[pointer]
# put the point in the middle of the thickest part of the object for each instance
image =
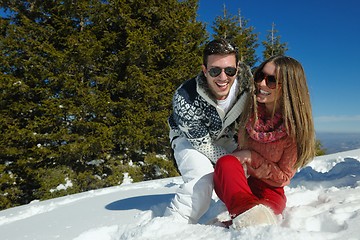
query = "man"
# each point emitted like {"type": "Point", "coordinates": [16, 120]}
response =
{"type": "Point", "coordinates": [202, 126]}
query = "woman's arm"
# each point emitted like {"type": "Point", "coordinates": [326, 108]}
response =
{"type": "Point", "coordinates": [276, 174]}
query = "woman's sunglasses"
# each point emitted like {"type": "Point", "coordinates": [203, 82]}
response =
{"type": "Point", "coordinates": [215, 71]}
{"type": "Point", "coordinates": [269, 80]}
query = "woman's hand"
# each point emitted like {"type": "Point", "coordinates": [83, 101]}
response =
{"type": "Point", "coordinates": [244, 156]}
{"type": "Point", "coordinates": [262, 172]}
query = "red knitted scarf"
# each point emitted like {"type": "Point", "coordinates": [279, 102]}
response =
{"type": "Point", "coordinates": [266, 130]}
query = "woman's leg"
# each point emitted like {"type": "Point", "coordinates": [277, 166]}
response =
{"type": "Point", "coordinates": [231, 186]}
{"type": "Point", "coordinates": [273, 197]}
{"type": "Point", "coordinates": [239, 193]}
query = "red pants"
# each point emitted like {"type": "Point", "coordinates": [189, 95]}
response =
{"type": "Point", "coordinates": [240, 193]}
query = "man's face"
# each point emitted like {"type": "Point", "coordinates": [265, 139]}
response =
{"type": "Point", "coordinates": [220, 85]}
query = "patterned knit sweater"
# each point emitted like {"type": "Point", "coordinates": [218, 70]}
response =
{"type": "Point", "coordinates": [197, 117]}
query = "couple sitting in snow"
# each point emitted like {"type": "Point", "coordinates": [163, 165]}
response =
{"type": "Point", "coordinates": [244, 136]}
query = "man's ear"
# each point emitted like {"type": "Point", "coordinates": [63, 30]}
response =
{"type": "Point", "coordinates": [203, 67]}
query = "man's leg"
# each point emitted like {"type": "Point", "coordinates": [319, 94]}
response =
{"type": "Point", "coordinates": [193, 198]}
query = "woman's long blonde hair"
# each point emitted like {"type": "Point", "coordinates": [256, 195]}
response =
{"type": "Point", "coordinates": [295, 105]}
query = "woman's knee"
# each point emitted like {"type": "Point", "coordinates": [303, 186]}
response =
{"type": "Point", "coordinates": [227, 160]}
{"type": "Point", "coordinates": [229, 163]}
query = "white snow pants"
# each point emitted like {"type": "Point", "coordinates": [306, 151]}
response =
{"type": "Point", "coordinates": [193, 197]}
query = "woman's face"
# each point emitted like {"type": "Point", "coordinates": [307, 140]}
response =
{"type": "Point", "coordinates": [264, 93]}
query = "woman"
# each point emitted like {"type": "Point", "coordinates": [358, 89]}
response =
{"type": "Point", "coordinates": [278, 139]}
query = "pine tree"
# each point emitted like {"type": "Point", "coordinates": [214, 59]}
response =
{"type": "Point", "coordinates": [320, 150]}
{"type": "Point", "coordinates": [86, 90]}
{"type": "Point", "coordinates": [234, 28]}
{"type": "Point", "coordinates": [273, 45]}
{"type": "Point", "coordinates": [53, 114]}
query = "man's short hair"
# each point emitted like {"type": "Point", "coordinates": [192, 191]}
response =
{"type": "Point", "coordinates": [219, 46]}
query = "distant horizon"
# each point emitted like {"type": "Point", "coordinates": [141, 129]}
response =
{"type": "Point", "coordinates": [334, 142]}
{"type": "Point", "coordinates": [336, 132]}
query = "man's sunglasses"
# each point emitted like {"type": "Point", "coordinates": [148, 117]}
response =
{"type": "Point", "coordinates": [216, 71]}
{"type": "Point", "coordinates": [269, 80]}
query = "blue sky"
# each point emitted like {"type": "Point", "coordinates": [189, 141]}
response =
{"type": "Point", "coordinates": [324, 36]}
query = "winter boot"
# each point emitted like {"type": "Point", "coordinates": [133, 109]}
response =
{"type": "Point", "coordinates": [257, 215]}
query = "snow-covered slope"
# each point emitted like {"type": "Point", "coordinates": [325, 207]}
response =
{"type": "Point", "coordinates": [323, 203]}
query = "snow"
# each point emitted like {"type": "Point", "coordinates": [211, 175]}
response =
{"type": "Point", "coordinates": [68, 184]}
{"type": "Point", "coordinates": [323, 203]}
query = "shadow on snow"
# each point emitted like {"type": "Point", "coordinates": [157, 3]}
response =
{"type": "Point", "coordinates": [143, 203]}
{"type": "Point", "coordinates": [343, 174]}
